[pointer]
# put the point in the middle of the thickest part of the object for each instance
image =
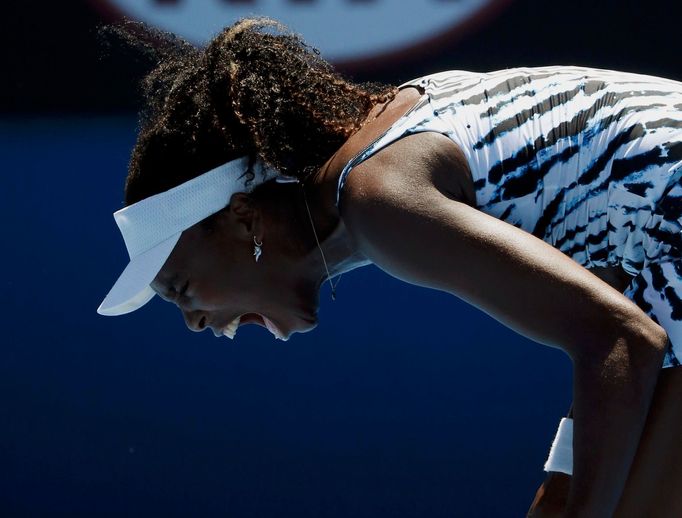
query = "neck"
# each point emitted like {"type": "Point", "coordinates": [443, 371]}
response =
{"type": "Point", "coordinates": [336, 248]}
{"type": "Point", "coordinates": [336, 244]}
{"type": "Point", "coordinates": [341, 256]}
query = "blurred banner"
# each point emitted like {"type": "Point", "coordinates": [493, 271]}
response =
{"type": "Point", "coordinates": [345, 31]}
{"type": "Point", "coordinates": [54, 62]}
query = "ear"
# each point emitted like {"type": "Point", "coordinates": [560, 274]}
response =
{"type": "Point", "coordinates": [245, 217]}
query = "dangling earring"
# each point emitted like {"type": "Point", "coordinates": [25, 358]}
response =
{"type": "Point", "coordinates": [257, 250]}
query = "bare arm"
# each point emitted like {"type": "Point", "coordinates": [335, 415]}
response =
{"type": "Point", "coordinates": [405, 223]}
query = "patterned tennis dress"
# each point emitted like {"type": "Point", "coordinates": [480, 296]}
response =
{"type": "Point", "coordinates": [588, 160]}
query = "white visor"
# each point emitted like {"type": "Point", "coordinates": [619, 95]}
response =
{"type": "Point", "coordinates": [152, 227]}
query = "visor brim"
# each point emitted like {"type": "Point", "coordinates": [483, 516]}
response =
{"type": "Point", "coordinates": [132, 289]}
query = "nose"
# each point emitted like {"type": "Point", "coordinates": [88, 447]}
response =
{"type": "Point", "coordinates": [195, 320]}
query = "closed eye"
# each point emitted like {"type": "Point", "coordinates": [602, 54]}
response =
{"type": "Point", "coordinates": [174, 293]}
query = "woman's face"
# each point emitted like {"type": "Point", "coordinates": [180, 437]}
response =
{"type": "Point", "coordinates": [212, 275]}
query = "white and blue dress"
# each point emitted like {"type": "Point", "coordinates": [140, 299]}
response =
{"type": "Point", "coordinates": [586, 159]}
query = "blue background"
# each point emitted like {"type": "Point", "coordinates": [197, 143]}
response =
{"type": "Point", "coordinates": [404, 402]}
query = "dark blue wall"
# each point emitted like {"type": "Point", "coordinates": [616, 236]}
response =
{"type": "Point", "coordinates": [403, 402]}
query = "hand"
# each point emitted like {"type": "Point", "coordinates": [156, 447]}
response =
{"type": "Point", "coordinates": [550, 498]}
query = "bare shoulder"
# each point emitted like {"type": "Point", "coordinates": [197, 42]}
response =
{"type": "Point", "coordinates": [408, 173]}
{"type": "Point", "coordinates": [401, 217]}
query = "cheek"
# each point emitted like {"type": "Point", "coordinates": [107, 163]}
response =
{"type": "Point", "coordinates": [215, 291]}
{"type": "Point", "coordinates": [223, 287]}
{"type": "Point", "coordinates": [211, 297]}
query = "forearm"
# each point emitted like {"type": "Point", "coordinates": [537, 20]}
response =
{"type": "Point", "coordinates": [612, 394]}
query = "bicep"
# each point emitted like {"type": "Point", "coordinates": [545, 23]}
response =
{"type": "Point", "coordinates": [425, 238]}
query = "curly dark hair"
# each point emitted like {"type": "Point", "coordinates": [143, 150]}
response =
{"type": "Point", "coordinates": [256, 89]}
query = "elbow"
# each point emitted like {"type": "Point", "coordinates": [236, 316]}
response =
{"type": "Point", "coordinates": [647, 341]}
{"type": "Point", "coordinates": [655, 344]}
{"type": "Point", "coordinates": [631, 348]}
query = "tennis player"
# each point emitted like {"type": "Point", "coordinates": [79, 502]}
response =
{"type": "Point", "coordinates": [550, 198]}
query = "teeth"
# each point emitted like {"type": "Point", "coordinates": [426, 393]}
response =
{"type": "Point", "coordinates": [271, 327]}
{"type": "Point", "coordinates": [231, 329]}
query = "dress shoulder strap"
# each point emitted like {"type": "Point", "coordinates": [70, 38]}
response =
{"type": "Point", "coordinates": [396, 131]}
{"type": "Point", "coordinates": [421, 117]}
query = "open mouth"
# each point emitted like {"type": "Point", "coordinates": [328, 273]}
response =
{"type": "Point", "coordinates": [230, 330]}
{"type": "Point", "coordinates": [252, 318]}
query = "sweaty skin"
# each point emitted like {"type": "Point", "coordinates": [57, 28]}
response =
{"type": "Point", "coordinates": [408, 210]}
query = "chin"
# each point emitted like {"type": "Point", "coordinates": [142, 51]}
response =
{"type": "Point", "coordinates": [308, 327]}
{"type": "Point", "coordinates": [303, 316]}
{"type": "Point", "coordinates": [305, 324]}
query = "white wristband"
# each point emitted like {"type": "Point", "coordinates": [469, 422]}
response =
{"type": "Point", "coordinates": [561, 454]}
